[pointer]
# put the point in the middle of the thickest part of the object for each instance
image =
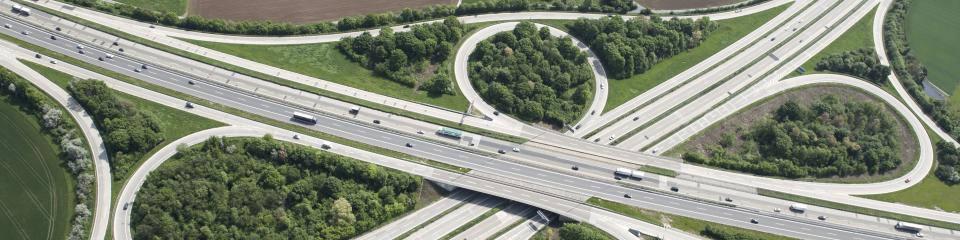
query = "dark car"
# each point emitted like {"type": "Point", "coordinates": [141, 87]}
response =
{"type": "Point", "coordinates": [189, 105]}
{"type": "Point", "coordinates": [52, 37]}
{"type": "Point", "coordinates": [675, 189]}
{"type": "Point", "coordinates": [618, 178]}
{"type": "Point", "coordinates": [409, 144]}
{"type": "Point", "coordinates": [575, 168]}
{"type": "Point", "coordinates": [190, 82]}
{"type": "Point", "coordinates": [728, 199]}
{"type": "Point", "coordinates": [754, 221]}
{"type": "Point", "coordinates": [58, 29]}
{"type": "Point", "coordinates": [822, 218]}
{"type": "Point", "coordinates": [627, 195]}
{"type": "Point", "coordinates": [376, 121]}
{"type": "Point", "coordinates": [501, 151]}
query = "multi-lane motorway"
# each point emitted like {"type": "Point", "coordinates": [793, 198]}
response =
{"type": "Point", "coordinates": [391, 140]}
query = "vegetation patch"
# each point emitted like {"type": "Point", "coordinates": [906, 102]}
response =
{"type": "Point", "coordinates": [41, 207]}
{"type": "Point", "coordinates": [268, 189]}
{"type": "Point", "coordinates": [178, 7]}
{"type": "Point", "coordinates": [700, 227]}
{"type": "Point", "coordinates": [862, 63]}
{"type": "Point", "coordinates": [931, 31]}
{"type": "Point", "coordinates": [818, 133]}
{"type": "Point", "coordinates": [860, 35]}
{"type": "Point", "coordinates": [932, 191]}
{"type": "Point", "coordinates": [571, 231]}
{"type": "Point", "coordinates": [533, 75]}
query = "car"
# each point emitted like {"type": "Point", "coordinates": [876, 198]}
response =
{"type": "Point", "coordinates": [6, 25]}
{"type": "Point", "coordinates": [110, 56]}
{"type": "Point", "coordinates": [601, 86]}
{"type": "Point", "coordinates": [80, 51]}
{"type": "Point", "coordinates": [152, 26]}
{"type": "Point", "coordinates": [144, 66]}
{"type": "Point", "coordinates": [409, 144]}
{"type": "Point", "coordinates": [419, 131]}
{"type": "Point", "coordinates": [190, 82]}
{"type": "Point", "coordinates": [918, 234]}
{"type": "Point", "coordinates": [376, 121]}
{"type": "Point", "coordinates": [495, 113]}
{"type": "Point", "coordinates": [53, 61]}
{"type": "Point", "coordinates": [618, 178]}
{"type": "Point", "coordinates": [189, 105]}
{"type": "Point", "coordinates": [675, 189]}
{"type": "Point", "coordinates": [821, 217]}
{"type": "Point", "coordinates": [38, 56]}
{"type": "Point", "coordinates": [52, 37]}
{"type": "Point", "coordinates": [58, 29]}
{"type": "Point", "coordinates": [501, 151]}
{"type": "Point", "coordinates": [25, 33]}
{"type": "Point", "coordinates": [79, 46]}
{"type": "Point", "coordinates": [516, 150]}
{"type": "Point", "coordinates": [575, 168]}
{"type": "Point", "coordinates": [754, 221]}
{"type": "Point", "coordinates": [296, 136]}
{"type": "Point", "coordinates": [136, 70]}
{"type": "Point", "coordinates": [776, 210]}
{"type": "Point", "coordinates": [728, 199]}
{"type": "Point", "coordinates": [612, 137]}
{"type": "Point", "coordinates": [596, 140]}
{"type": "Point", "coordinates": [325, 145]}
{"type": "Point", "coordinates": [627, 195]}
{"type": "Point", "coordinates": [406, 26]}
{"type": "Point", "coordinates": [772, 39]}
{"type": "Point", "coordinates": [120, 49]}
{"type": "Point", "coordinates": [116, 43]}
{"type": "Point", "coordinates": [100, 58]}
{"type": "Point", "coordinates": [636, 118]}
{"type": "Point", "coordinates": [593, 112]}
{"type": "Point", "coordinates": [126, 206]}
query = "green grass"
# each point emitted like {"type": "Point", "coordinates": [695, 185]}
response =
{"type": "Point", "coordinates": [175, 6]}
{"type": "Point", "coordinates": [731, 30]}
{"type": "Point", "coordinates": [37, 195]}
{"type": "Point", "coordinates": [858, 209]}
{"type": "Point", "coordinates": [928, 193]}
{"type": "Point", "coordinates": [857, 37]}
{"type": "Point", "coordinates": [325, 61]}
{"type": "Point", "coordinates": [658, 171]}
{"type": "Point", "coordinates": [932, 35]}
{"type": "Point", "coordinates": [679, 222]}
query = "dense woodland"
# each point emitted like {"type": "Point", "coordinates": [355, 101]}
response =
{"type": "Point", "coordinates": [127, 132]}
{"type": "Point", "coordinates": [948, 158]}
{"type": "Point", "coordinates": [911, 74]}
{"type": "Point", "coordinates": [634, 46]}
{"type": "Point", "coordinates": [65, 133]}
{"type": "Point", "coordinates": [405, 56]}
{"type": "Point", "coordinates": [261, 188]}
{"type": "Point", "coordinates": [828, 138]}
{"type": "Point", "coordinates": [861, 63]}
{"type": "Point", "coordinates": [533, 75]}
{"type": "Point", "coordinates": [198, 23]}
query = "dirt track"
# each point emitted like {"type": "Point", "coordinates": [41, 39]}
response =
{"type": "Point", "coordinates": [684, 4]}
{"type": "Point", "coordinates": [300, 11]}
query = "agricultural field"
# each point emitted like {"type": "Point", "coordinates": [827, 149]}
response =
{"type": "Point", "coordinates": [36, 198]}
{"type": "Point", "coordinates": [935, 47]}
{"type": "Point", "coordinates": [684, 4]}
{"type": "Point", "coordinates": [175, 6]}
{"type": "Point", "coordinates": [300, 11]}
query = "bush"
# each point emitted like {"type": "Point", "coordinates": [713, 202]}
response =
{"type": "Point", "coordinates": [268, 189]}
{"type": "Point", "coordinates": [825, 139]}
{"type": "Point", "coordinates": [580, 231]}
{"type": "Point", "coordinates": [532, 74]}
{"type": "Point", "coordinates": [861, 63]}
{"type": "Point", "coordinates": [718, 233]}
{"type": "Point", "coordinates": [631, 47]}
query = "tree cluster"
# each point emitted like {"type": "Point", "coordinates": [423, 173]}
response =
{"type": "Point", "coordinates": [912, 73]}
{"type": "Point", "coordinates": [532, 74]}
{"type": "Point", "coordinates": [718, 233]}
{"type": "Point", "coordinates": [260, 188]}
{"type": "Point", "coordinates": [198, 23]}
{"type": "Point", "coordinates": [825, 139]}
{"type": "Point", "coordinates": [861, 63]}
{"type": "Point", "coordinates": [633, 46]}
{"type": "Point", "coordinates": [581, 231]}
{"type": "Point", "coordinates": [127, 131]}
{"type": "Point", "coordinates": [404, 56]}
{"type": "Point", "coordinates": [65, 133]}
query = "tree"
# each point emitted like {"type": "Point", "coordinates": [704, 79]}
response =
{"type": "Point", "coordinates": [343, 212]}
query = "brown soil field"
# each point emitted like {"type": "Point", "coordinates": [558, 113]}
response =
{"type": "Point", "coordinates": [738, 122]}
{"type": "Point", "coordinates": [300, 11]}
{"type": "Point", "coordinates": [684, 4]}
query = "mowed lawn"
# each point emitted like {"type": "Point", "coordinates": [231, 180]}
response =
{"type": "Point", "coordinates": [731, 30]}
{"type": "Point", "coordinates": [857, 37]}
{"type": "Point", "coordinates": [933, 37]}
{"type": "Point", "coordinates": [326, 62]}
{"type": "Point", "coordinates": [36, 196]}
{"type": "Point", "coordinates": [176, 6]}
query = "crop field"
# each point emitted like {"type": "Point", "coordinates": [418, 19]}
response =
{"type": "Point", "coordinates": [300, 11]}
{"type": "Point", "coordinates": [684, 4]}
{"type": "Point", "coordinates": [36, 196]}
{"type": "Point", "coordinates": [927, 25]}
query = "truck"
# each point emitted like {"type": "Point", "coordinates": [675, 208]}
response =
{"type": "Point", "coordinates": [450, 132]}
{"type": "Point", "coordinates": [798, 207]}
{"type": "Point", "coordinates": [626, 172]}
{"type": "Point", "coordinates": [909, 226]}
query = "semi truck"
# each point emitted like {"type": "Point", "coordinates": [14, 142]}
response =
{"type": "Point", "coordinates": [909, 226]}
{"type": "Point", "coordinates": [626, 172]}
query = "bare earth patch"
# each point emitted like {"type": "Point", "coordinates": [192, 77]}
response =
{"type": "Point", "coordinates": [300, 11]}
{"type": "Point", "coordinates": [739, 122]}
{"type": "Point", "coordinates": [684, 4]}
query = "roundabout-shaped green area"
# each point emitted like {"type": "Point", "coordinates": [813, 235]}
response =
{"type": "Point", "coordinates": [533, 75]}
{"type": "Point", "coordinates": [260, 188]}
{"type": "Point", "coordinates": [823, 133]}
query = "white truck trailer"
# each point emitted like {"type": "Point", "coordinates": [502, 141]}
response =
{"type": "Point", "coordinates": [629, 173]}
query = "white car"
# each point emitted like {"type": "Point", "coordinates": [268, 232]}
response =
{"type": "Point", "coordinates": [516, 149]}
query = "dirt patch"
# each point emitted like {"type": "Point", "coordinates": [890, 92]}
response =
{"type": "Point", "coordinates": [684, 4]}
{"type": "Point", "coordinates": [738, 122]}
{"type": "Point", "coordinates": [429, 193]}
{"type": "Point", "coordinates": [300, 11]}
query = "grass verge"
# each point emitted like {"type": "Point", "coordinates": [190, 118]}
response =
{"type": "Point", "coordinates": [261, 76]}
{"type": "Point", "coordinates": [857, 37]}
{"type": "Point", "coordinates": [659, 171]}
{"type": "Point", "coordinates": [476, 220]}
{"type": "Point", "coordinates": [857, 209]}
{"type": "Point", "coordinates": [178, 7]}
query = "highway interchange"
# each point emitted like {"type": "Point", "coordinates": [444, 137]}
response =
{"type": "Point", "coordinates": [337, 125]}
